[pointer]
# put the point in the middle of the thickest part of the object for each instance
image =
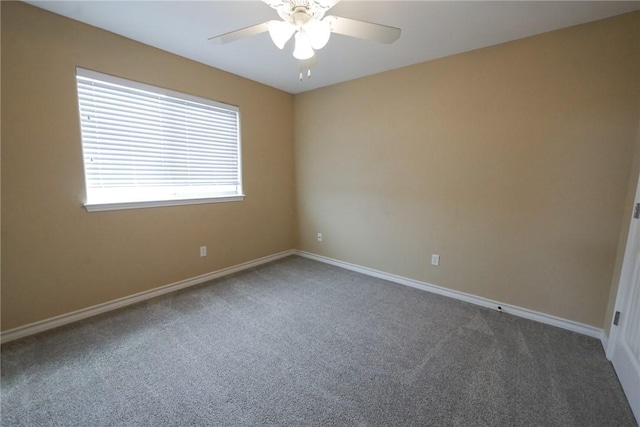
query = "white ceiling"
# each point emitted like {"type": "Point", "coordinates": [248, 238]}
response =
{"type": "Point", "coordinates": [430, 29]}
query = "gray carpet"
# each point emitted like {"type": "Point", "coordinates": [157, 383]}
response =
{"type": "Point", "coordinates": [298, 342]}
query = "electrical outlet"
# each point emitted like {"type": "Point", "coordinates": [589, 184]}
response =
{"type": "Point", "coordinates": [203, 251]}
{"type": "Point", "coordinates": [435, 259]}
{"type": "Point", "coordinates": [319, 237]}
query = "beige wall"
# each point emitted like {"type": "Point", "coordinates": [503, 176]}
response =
{"type": "Point", "coordinates": [511, 162]}
{"type": "Point", "coordinates": [56, 257]}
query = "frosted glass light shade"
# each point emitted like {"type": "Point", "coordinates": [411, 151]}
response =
{"type": "Point", "coordinates": [303, 49]}
{"type": "Point", "coordinates": [318, 33]}
{"type": "Point", "coordinates": [280, 32]}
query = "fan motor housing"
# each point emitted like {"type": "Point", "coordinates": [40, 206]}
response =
{"type": "Point", "coordinates": [313, 9]}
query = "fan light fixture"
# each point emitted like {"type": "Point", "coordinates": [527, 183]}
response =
{"type": "Point", "coordinates": [310, 32]}
{"type": "Point", "coordinates": [303, 49]}
{"type": "Point", "coordinates": [280, 32]}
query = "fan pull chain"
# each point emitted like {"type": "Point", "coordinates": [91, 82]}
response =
{"type": "Point", "coordinates": [307, 65]}
{"type": "Point", "coordinates": [300, 76]}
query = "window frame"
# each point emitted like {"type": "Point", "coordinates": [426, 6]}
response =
{"type": "Point", "coordinates": [176, 201]}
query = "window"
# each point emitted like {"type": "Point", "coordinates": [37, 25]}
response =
{"type": "Point", "coordinates": [147, 146]}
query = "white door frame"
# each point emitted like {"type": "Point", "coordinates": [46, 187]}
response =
{"type": "Point", "coordinates": [626, 276]}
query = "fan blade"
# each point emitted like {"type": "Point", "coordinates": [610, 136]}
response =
{"type": "Point", "coordinates": [238, 34]}
{"type": "Point", "coordinates": [363, 30]}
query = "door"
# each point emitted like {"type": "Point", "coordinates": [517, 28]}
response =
{"type": "Point", "coordinates": [624, 344]}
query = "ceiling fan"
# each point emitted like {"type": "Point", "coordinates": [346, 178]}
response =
{"type": "Point", "coordinates": [305, 21]}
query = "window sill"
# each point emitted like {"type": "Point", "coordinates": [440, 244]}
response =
{"type": "Point", "coordinates": [98, 207]}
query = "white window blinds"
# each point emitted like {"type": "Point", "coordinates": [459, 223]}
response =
{"type": "Point", "coordinates": [145, 144]}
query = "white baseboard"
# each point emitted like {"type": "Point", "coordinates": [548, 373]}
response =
{"type": "Point", "coordinates": [54, 322]}
{"type": "Point", "coordinates": [548, 319]}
